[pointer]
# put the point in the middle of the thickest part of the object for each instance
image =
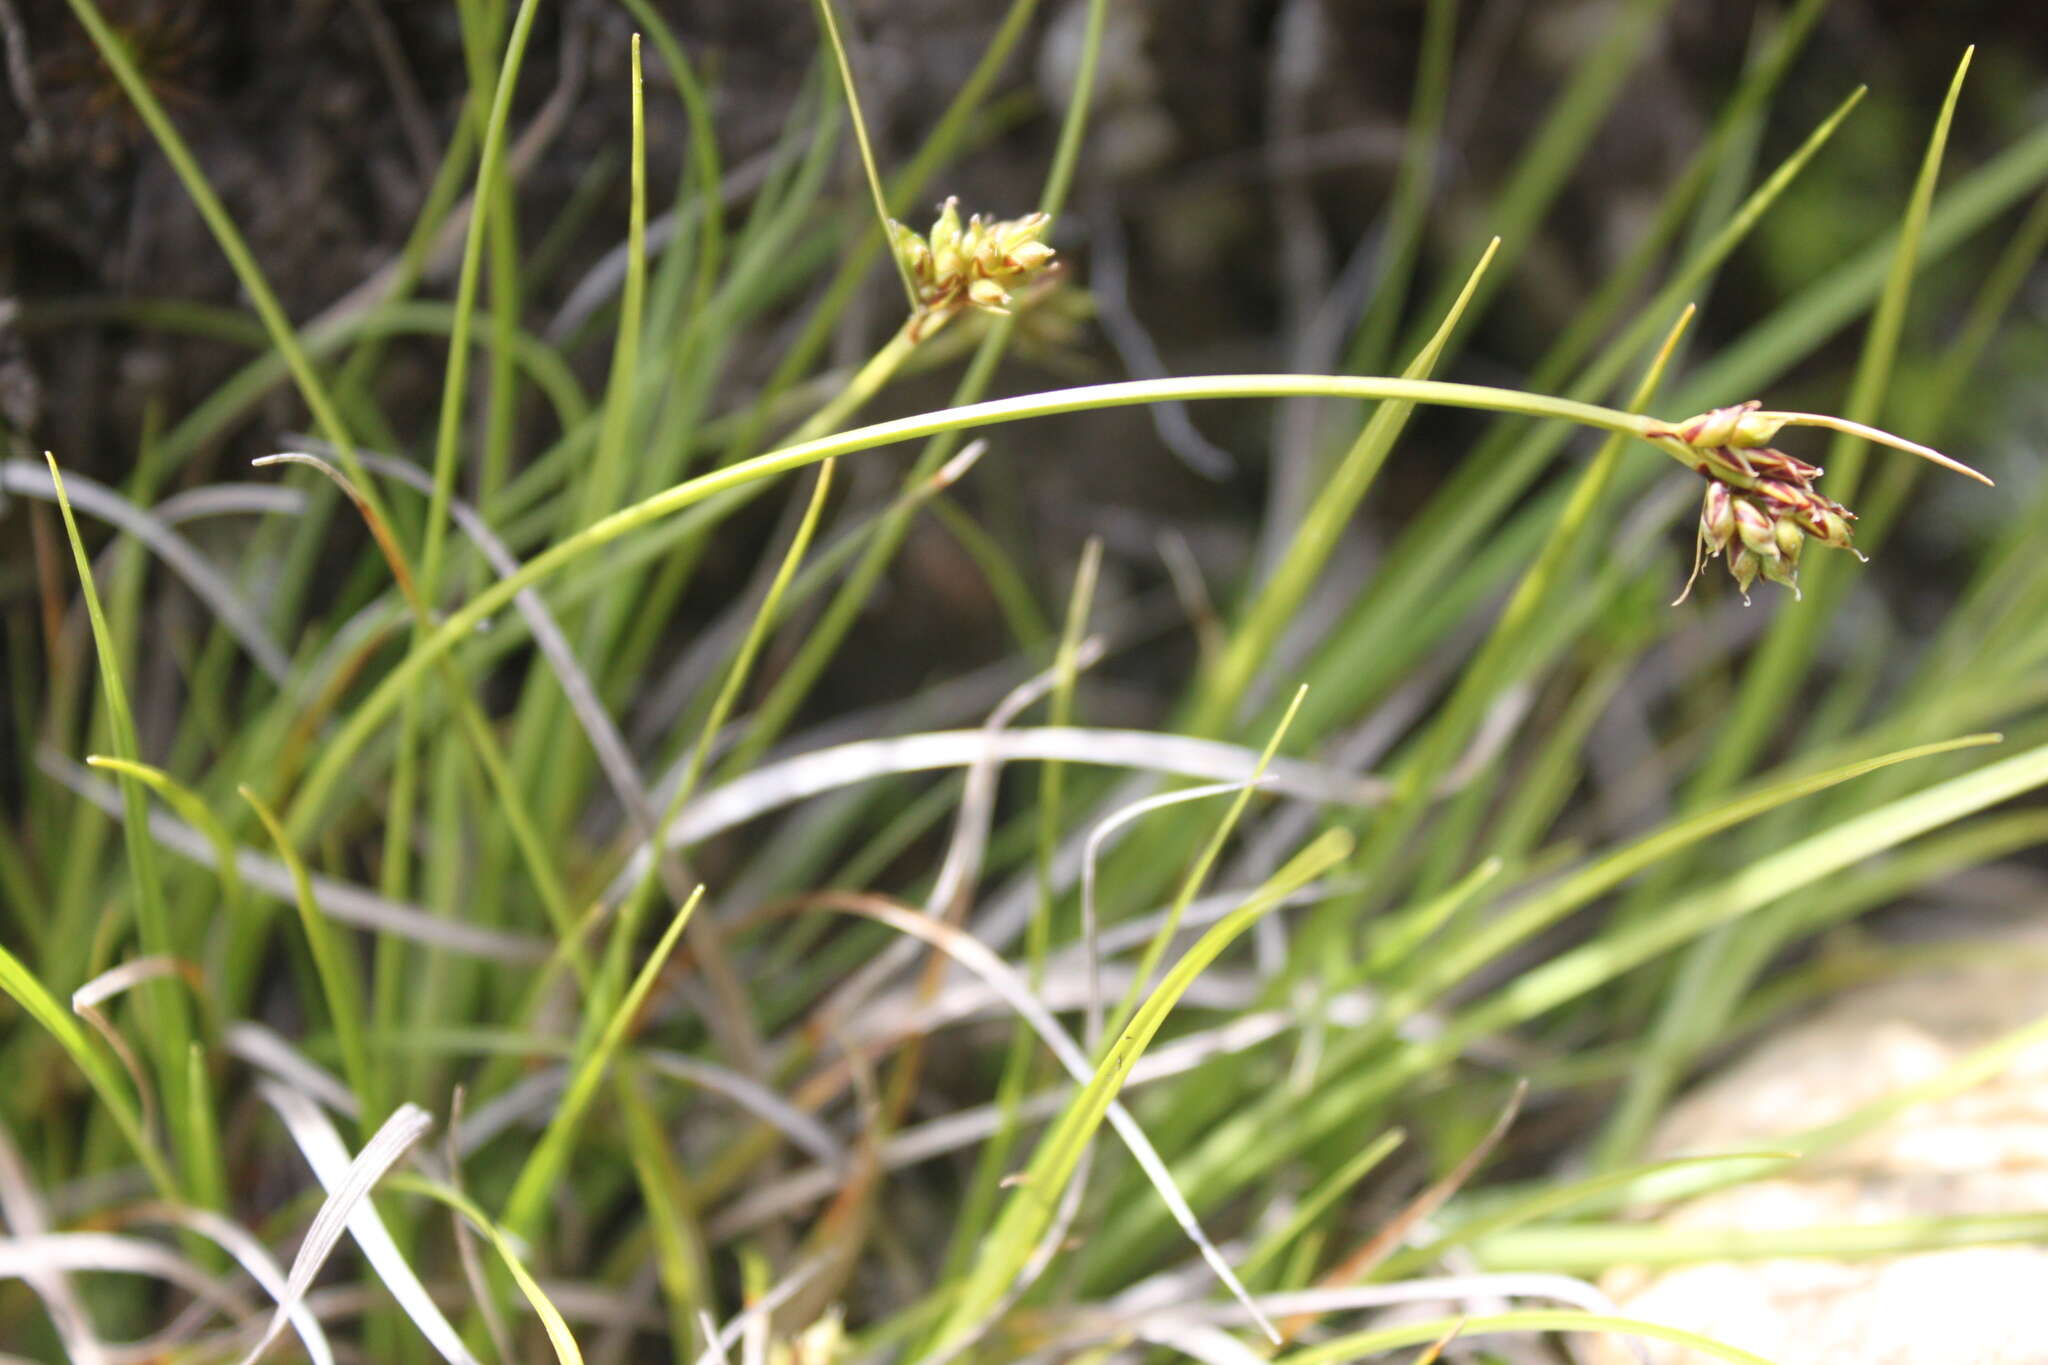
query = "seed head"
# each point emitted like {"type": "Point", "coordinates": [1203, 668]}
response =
{"type": "Point", "coordinates": [1761, 503]}
{"type": "Point", "coordinates": [981, 264]}
{"type": "Point", "coordinates": [1717, 518]}
{"type": "Point", "coordinates": [1756, 529]}
{"type": "Point", "coordinates": [1744, 565]}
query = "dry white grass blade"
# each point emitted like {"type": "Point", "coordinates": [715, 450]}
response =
{"type": "Point", "coordinates": [1472, 1291]}
{"type": "Point", "coordinates": [263, 1268]}
{"type": "Point", "coordinates": [85, 1003]}
{"type": "Point", "coordinates": [21, 1257]}
{"type": "Point", "coordinates": [114, 980]}
{"type": "Point", "coordinates": [107, 985]}
{"type": "Point", "coordinates": [776, 785]}
{"type": "Point", "coordinates": [1064, 987]}
{"type": "Point", "coordinates": [1091, 924]}
{"type": "Point", "coordinates": [339, 900]}
{"type": "Point", "coordinates": [231, 500]}
{"type": "Point", "coordinates": [977, 810]}
{"type": "Point", "coordinates": [1202, 911]}
{"type": "Point", "coordinates": [899, 1010]}
{"type": "Point", "coordinates": [754, 1339]}
{"type": "Point", "coordinates": [951, 1132]}
{"type": "Point", "coordinates": [1496, 728]}
{"type": "Point", "coordinates": [718, 1342]}
{"type": "Point", "coordinates": [348, 1184]}
{"type": "Point", "coordinates": [1210, 1345]}
{"type": "Point", "coordinates": [1007, 912]}
{"type": "Point", "coordinates": [1290, 826]}
{"type": "Point", "coordinates": [178, 554]}
{"type": "Point", "coordinates": [976, 957]}
{"type": "Point", "coordinates": [25, 1216]}
{"type": "Point", "coordinates": [267, 1051]}
{"type": "Point", "coordinates": [714, 1348]}
{"type": "Point", "coordinates": [605, 741]}
{"type": "Point", "coordinates": [757, 1099]}
{"type": "Point", "coordinates": [579, 1300]}
{"type": "Point", "coordinates": [970, 831]}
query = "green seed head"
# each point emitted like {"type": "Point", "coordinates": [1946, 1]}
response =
{"type": "Point", "coordinates": [1790, 538]}
{"type": "Point", "coordinates": [976, 265]}
{"type": "Point", "coordinates": [1756, 529]}
{"type": "Point", "coordinates": [1745, 566]}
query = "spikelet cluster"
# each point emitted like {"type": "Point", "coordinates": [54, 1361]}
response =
{"type": "Point", "coordinates": [1761, 506]}
{"type": "Point", "coordinates": [981, 264]}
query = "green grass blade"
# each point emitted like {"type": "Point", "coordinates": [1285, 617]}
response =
{"type": "Point", "coordinates": [334, 961]}
{"type": "Point", "coordinates": [1595, 1247]}
{"type": "Point", "coordinates": [551, 1320]}
{"type": "Point", "coordinates": [169, 1027]}
{"type": "Point", "coordinates": [1030, 1207]}
{"type": "Point", "coordinates": [1319, 1201]}
{"type": "Point", "coordinates": [101, 1071]}
{"type": "Point", "coordinates": [549, 1160]}
{"type": "Point", "coordinates": [234, 970]}
{"type": "Point", "coordinates": [1310, 548]}
{"type": "Point", "coordinates": [455, 373]}
{"type": "Point", "coordinates": [1148, 961]}
{"type": "Point", "coordinates": [1773, 676]}
{"type": "Point", "coordinates": [1507, 647]}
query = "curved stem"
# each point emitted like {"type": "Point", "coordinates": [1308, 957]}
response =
{"type": "Point", "coordinates": [349, 740]}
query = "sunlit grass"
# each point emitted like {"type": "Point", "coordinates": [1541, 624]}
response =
{"type": "Point", "coordinates": [484, 761]}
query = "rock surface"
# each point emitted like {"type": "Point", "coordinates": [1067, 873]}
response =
{"type": "Point", "coordinates": [1983, 1151]}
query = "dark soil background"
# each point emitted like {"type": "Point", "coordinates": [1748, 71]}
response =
{"type": "Point", "coordinates": [1241, 153]}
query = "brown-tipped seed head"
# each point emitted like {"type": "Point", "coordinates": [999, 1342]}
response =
{"type": "Point", "coordinates": [1828, 525]}
{"type": "Point", "coordinates": [1776, 464]}
{"type": "Point", "coordinates": [1717, 518]}
{"type": "Point", "coordinates": [1785, 496]}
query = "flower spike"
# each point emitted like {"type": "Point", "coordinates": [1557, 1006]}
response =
{"type": "Point", "coordinates": [979, 265]}
{"type": "Point", "coordinates": [1761, 506]}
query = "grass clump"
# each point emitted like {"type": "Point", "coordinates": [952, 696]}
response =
{"type": "Point", "coordinates": [849, 1102]}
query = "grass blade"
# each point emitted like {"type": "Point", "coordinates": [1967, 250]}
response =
{"type": "Point", "coordinates": [1030, 1206]}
